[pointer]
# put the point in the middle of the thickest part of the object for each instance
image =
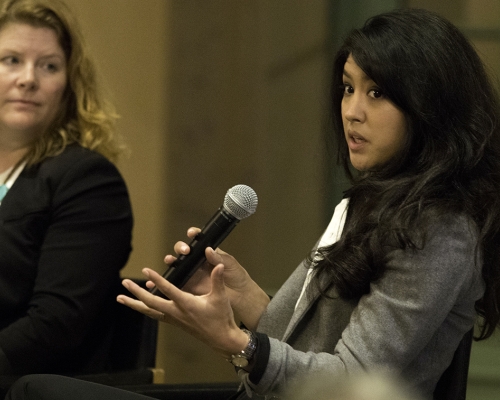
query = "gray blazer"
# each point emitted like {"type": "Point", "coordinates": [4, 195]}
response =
{"type": "Point", "coordinates": [409, 324]}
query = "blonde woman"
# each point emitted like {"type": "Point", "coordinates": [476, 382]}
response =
{"type": "Point", "coordinates": [65, 215]}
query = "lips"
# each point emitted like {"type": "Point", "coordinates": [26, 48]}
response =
{"type": "Point", "coordinates": [24, 101]}
{"type": "Point", "coordinates": [23, 105]}
{"type": "Point", "coordinates": [355, 141]}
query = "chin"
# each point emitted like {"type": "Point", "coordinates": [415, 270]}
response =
{"type": "Point", "coordinates": [360, 167]}
{"type": "Point", "coordinates": [25, 125]}
{"type": "Point", "coordinates": [362, 164]}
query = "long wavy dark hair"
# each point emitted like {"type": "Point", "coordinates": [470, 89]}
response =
{"type": "Point", "coordinates": [450, 161]}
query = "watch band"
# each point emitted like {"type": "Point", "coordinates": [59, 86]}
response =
{"type": "Point", "coordinates": [242, 359]}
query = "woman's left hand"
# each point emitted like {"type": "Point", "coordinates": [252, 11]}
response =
{"type": "Point", "coordinates": [209, 317]}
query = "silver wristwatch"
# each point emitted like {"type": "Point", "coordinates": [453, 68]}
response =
{"type": "Point", "coordinates": [242, 359]}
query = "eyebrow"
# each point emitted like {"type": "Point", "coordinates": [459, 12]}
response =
{"type": "Point", "coordinates": [48, 56]}
{"type": "Point", "coordinates": [349, 76]}
{"type": "Point", "coordinates": [20, 53]}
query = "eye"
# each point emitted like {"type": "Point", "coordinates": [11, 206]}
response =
{"type": "Point", "coordinates": [346, 89]}
{"type": "Point", "coordinates": [51, 67]}
{"type": "Point", "coordinates": [10, 60]}
{"type": "Point", "coordinates": [376, 93]}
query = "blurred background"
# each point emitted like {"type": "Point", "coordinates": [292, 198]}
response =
{"type": "Point", "coordinates": [214, 93]}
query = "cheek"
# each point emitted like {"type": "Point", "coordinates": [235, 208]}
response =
{"type": "Point", "coordinates": [395, 129]}
{"type": "Point", "coordinates": [344, 120]}
{"type": "Point", "coordinates": [5, 84]}
{"type": "Point", "coordinates": [56, 93]}
{"type": "Point", "coordinates": [397, 125]}
{"type": "Point", "coordinates": [396, 139]}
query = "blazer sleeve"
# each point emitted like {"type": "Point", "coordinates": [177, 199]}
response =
{"type": "Point", "coordinates": [403, 324]}
{"type": "Point", "coordinates": [87, 241]}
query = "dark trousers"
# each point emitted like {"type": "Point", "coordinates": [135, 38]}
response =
{"type": "Point", "coordinates": [56, 387]}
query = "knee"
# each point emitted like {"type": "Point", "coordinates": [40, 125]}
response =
{"type": "Point", "coordinates": [28, 387]}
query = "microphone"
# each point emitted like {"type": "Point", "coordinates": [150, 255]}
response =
{"type": "Point", "coordinates": [240, 202]}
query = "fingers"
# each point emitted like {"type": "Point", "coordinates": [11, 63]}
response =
{"type": "Point", "coordinates": [219, 256]}
{"type": "Point", "coordinates": [164, 286]}
{"type": "Point", "coordinates": [193, 231]}
{"type": "Point", "coordinates": [137, 305]}
{"type": "Point", "coordinates": [182, 247]}
{"type": "Point", "coordinates": [192, 313]}
{"type": "Point", "coordinates": [150, 285]}
{"type": "Point", "coordinates": [179, 248]}
{"type": "Point", "coordinates": [148, 303]}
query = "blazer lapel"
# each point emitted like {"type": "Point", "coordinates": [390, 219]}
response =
{"type": "Point", "coordinates": [312, 293]}
{"type": "Point", "coordinates": [310, 296]}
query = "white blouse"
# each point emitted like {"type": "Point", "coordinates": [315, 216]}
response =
{"type": "Point", "coordinates": [331, 235]}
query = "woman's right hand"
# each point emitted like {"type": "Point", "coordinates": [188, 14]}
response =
{"type": "Point", "coordinates": [235, 276]}
{"type": "Point", "coordinates": [242, 291]}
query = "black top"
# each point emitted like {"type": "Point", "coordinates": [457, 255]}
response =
{"type": "Point", "coordinates": [65, 233]}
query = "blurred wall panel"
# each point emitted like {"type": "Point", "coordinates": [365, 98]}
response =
{"type": "Point", "coordinates": [128, 39]}
{"type": "Point", "coordinates": [215, 93]}
{"type": "Point", "coordinates": [246, 105]}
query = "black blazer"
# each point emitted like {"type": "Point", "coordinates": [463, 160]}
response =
{"type": "Point", "coordinates": [65, 232]}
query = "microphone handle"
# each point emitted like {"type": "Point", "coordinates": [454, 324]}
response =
{"type": "Point", "coordinates": [212, 234]}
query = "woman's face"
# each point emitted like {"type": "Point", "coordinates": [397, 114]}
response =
{"type": "Point", "coordinates": [33, 78]}
{"type": "Point", "coordinates": [374, 128]}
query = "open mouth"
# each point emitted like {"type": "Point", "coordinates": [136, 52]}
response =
{"type": "Point", "coordinates": [357, 139]}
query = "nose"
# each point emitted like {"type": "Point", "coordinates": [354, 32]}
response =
{"type": "Point", "coordinates": [27, 78]}
{"type": "Point", "coordinates": [353, 108]}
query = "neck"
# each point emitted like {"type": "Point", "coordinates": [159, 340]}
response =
{"type": "Point", "coordinates": [9, 158]}
{"type": "Point", "coordinates": [14, 145]}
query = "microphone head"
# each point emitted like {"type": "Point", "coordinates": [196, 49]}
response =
{"type": "Point", "coordinates": [240, 201]}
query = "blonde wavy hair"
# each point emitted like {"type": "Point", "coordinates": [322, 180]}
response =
{"type": "Point", "coordinates": [85, 115]}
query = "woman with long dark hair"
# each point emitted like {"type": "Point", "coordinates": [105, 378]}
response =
{"type": "Point", "coordinates": [409, 259]}
{"type": "Point", "coordinates": [448, 165]}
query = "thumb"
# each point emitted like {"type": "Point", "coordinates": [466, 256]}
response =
{"type": "Point", "coordinates": [217, 277]}
{"type": "Point", "coordinates": [213, 256]}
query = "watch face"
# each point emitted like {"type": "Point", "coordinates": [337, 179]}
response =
{"type": "Point", "coordinates": [239, 361]}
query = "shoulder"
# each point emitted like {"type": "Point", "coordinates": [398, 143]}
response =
{"type": "Point", "coordinates": [444, 233]}
{"type": "Point", "coordinates": [449, 227]}
{"type": "Point", "coordinates": [75, 173]}
{"type": "Point", "coordinates": [76, 179]}
{"type": "Point", "coordinates": [73, 163]}
{"type": "Point", "coordinates": [72, 157]}
{"type": "Point", "coordinates": [448, 256]}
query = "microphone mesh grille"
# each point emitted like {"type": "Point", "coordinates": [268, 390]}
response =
{"type": "Point", "coordinates": [240, 201]}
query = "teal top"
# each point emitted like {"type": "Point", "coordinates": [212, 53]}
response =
{"type": "Point", "coordinates": [3, 191]}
